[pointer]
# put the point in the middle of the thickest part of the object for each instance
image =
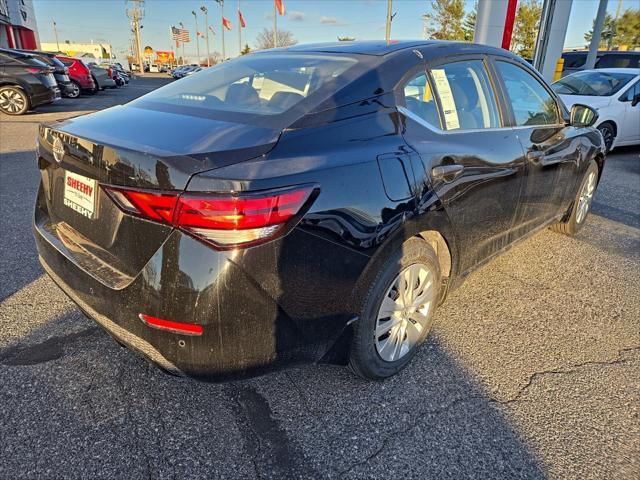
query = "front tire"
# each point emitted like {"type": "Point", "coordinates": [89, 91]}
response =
{"type": "Point", "coordinates": [13, 101]}
{"type": "Point", "coordinates": [608, 134]}
{"type": "Point", "coordinates": [581, 204]}
{"type": "Point", "coordinates": [397, 312]}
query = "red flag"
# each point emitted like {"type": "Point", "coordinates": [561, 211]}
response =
{"type": "Point", "coordinates": [226, 23]}
{"type": "Point", "coordinates": [279, 6]}
{"type": "Point", "coordinates": [241, 19]}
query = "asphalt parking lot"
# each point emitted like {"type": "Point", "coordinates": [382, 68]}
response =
{"type": "Point", "coordinates": [532, 369]}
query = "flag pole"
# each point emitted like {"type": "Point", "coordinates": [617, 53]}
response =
{"type": "Point", "coordinates": [275, 25]}
{"type": "Point", "coordinates": [239, 31]}
{"type": "Point", "coordinates": [206, 31]}
{"type": "Point", "coordinates": [222, 27]}
{"type": "Point", "coordinates": [182, 26]}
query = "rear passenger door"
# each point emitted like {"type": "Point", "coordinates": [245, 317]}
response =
{"type": "Point", "coordinates": [470, 159]}
{"type": "Point", "coordinates": [551, 149]}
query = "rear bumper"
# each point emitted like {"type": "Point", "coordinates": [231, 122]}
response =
{"type": "Point", "coordinates": [44, 96]}
{"type": "Point", "coordinates": [259, 311]}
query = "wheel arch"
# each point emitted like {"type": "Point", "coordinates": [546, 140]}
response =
{"type": "Point", "coordinates": [433, 227]}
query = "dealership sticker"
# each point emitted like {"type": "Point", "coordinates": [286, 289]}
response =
{"type": "Point", "coordinates": [79, 193]}
{"type": "Point", "coordinates": [446, 99]}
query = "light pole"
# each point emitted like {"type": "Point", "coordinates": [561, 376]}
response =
{"type": "Point", "coordinates": [387, 35]}
{"type": "Point", "coordinates": [221, 2]}
{"type": "Point", "coordinates": [193, 12]}
{"type": "Point", "coordinates": [275, 26]}
{"type": "Point", "coordinates": [55, 32]}
{"type": "Point", "coordinates": [206, 32]}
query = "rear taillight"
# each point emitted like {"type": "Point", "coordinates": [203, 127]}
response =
{"type": "Point", "coordinates": [109, 72]}
{"type": "Point", "coordinates": [35, 70]}
{"type": "Point", "coordinates": [223, 220]}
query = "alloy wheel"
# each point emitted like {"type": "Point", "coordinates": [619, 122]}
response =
{"type": "Point", "coordinates": [405, 314]}
{"type": "Point", "coordinates": [586, 196]}
{"type": "Point", "coordinates": [12, 101]}
{"type": "Point", "coordinates": [607, 136]}
{"type": "Point", "coordinates": [75, 90]}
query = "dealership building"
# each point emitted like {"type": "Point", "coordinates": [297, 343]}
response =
{"type": "Point", "coordinates": [18, 27]}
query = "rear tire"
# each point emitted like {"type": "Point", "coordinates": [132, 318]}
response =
{"type": "Point", "coordinates": [581, 204]}
{"type": "Point", "coordinates": [608, 134]}
{"type": "Point", "coordinates": [397, 312]}
{"type": "Point", "coordinates": [13, 100]}
{"type": "Point", "coordinates": [75, 90]}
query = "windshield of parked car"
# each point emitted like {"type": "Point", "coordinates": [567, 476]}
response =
{"type": "Point", "coordinates": [258, 84]}
{"type": "Point", "coordinates": [592, 84]}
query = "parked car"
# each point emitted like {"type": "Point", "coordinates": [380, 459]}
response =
{"type": "Point", "coordinates": [574, 61]}
{"type": "Point", "coordinates": [302, 205]}
{"type": "Point", "coordinates": [182, 71]}
{"type": "Point", "coordinates": [101, 76]}
{"type": "Point", "coordinates": [60, 72]}
{"type": "Point", "coordinates": [192, 71]}
{"type": "Point", "coordinates": [25, 83]}
{"type": "Point", "coordinates": [614, 93]}
{"type": "Point", "coordinates": [80, 75]}
{"type": "Point", "coordinates": [153, 68]}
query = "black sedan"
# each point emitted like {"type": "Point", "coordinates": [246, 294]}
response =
{"type": "Point", "coordinates": [308, 204]}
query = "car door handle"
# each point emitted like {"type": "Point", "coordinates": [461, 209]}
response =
{"type": "Point", "coordinates": [447, 172]}
{"type": "Point", "coordinates": [535, 155]}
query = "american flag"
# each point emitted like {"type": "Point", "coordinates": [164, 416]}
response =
{"type": "Point", "coordinates": [180, 35]}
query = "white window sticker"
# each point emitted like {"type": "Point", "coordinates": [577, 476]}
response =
{"type": "Point", "coordinates": [446, 99]}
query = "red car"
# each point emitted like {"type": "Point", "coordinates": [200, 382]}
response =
{"type": "Point", "coordinates": [80, 76]}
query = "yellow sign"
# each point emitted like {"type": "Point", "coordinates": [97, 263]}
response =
{"type": "Point", "coordinates": [148, 50]}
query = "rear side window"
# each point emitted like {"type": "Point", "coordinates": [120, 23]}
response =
{"type": "Point", "coordinates": [419, 100]}
{"type": "Point", "coordinates": [466, 97]}
{"type": "Point", "coordinates": [574, 60]}
{"type": "Point", "coordinates": [66, 62]}
{"type": "Point", "coordinates": [618, 61]}
{"type": "Point", "coordinates": [258, 84]}
{"type": "Point", "coordinates": [531, 103]}
{"type": "Point", "coordinates": [631, 93]}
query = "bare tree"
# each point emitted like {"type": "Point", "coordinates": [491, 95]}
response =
{"type": "Point", "coordinates": [265, 39]}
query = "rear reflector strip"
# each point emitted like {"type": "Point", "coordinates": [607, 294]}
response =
{"type": "Point", "coordinates": [171, 326]}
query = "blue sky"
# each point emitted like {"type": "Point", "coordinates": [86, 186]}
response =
{"type": "Point", "coordinates": [309, 20]}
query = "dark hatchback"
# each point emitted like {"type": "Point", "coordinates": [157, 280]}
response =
{"type": "Point", "coordinates": [25, 82]}
{"type": "Point", "coordinates": [60, 72]}
{"type": "Point", "coordinates": [309, 204]}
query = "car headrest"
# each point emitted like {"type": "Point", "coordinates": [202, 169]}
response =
{"type": "Point", "coordinates": [242, 94]}
{"type": "Point", "coordinates": [284, 100]}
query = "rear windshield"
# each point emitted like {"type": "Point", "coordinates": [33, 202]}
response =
{"type": "Point", "coordinates": [592, 84]}
{"type": "Point", "coordinates": [258, 85]}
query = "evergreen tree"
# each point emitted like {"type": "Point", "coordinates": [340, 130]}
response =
{"type": "Point", "coordinates": [446, 20]}
{"type": "Point", "coordinates": [469, 24]}
{"type": "Point", "coordinates": [526, 26]}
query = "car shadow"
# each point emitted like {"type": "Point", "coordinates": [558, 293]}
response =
{"type": "Point", "coordinates": [117, 413]}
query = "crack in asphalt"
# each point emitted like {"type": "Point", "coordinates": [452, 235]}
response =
{"type": "Point", "coordinates": [572, 369]}
{"type": "Point", "coordinates": [488, 399]}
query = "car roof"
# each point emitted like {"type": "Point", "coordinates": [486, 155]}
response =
{"type": "Point", "coordinates": [15, 53]}
{"type": "Point", "coordinates": [635, 71]}
{"type": "Point", "coordinates": [380, 47]}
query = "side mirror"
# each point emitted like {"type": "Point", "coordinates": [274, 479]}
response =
{"type": "Point", "coordinates": [583, 115]}
{"type": "Point", "coordinates": [636, 100]}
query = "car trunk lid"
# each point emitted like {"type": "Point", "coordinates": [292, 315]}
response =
{"type": "Point", "coordinates": [77, 156]}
